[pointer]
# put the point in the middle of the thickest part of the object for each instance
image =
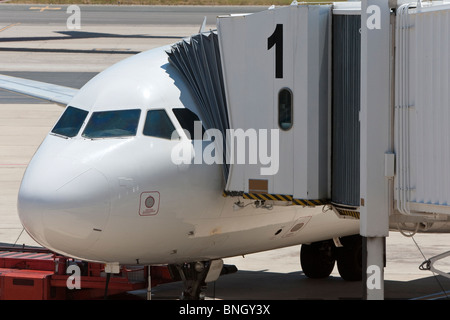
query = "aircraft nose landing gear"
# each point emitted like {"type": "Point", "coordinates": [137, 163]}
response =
{"type": "Point", "coordinates": [195, 276]}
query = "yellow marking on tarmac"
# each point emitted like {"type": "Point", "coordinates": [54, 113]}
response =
{"type": "Point", "coordinates": [44, 8]}
{"type": "Point", "coordinates": [9, 26]}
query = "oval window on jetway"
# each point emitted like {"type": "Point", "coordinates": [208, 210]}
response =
{"type": "Point", "coordinates": [285, 116]}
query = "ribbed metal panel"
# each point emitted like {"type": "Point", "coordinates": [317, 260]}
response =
{"type": "Point", "coordinates": [422, 108]}
{"type": "Point", "coordinates": [346, 106]}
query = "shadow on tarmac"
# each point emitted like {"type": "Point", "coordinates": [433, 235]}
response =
{"type": "Point", "coordinates": [263, 285]}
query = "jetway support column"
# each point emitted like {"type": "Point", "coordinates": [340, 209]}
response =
{"type": "Point", "coordinates": [375, 121]}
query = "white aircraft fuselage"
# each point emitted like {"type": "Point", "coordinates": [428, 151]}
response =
{"type": "Point", "coordinates": [123, 200]}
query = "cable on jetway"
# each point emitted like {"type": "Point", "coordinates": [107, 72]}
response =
{"type": "Point", "coordinates": [427, 266]}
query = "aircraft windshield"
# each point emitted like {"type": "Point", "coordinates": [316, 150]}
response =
{"type": "Point", "coordinates": [112, 124]}
{"type": "Point", "coordinates": [187, 120]}
{"type": "Point", "coordinates": [70, 122]}
{"type": "Point", "coordinates": [158, 124]}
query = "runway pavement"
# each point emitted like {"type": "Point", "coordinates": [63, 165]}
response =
{"type": "Point", "coordinates": [124, 15]}
{"type": "Point", "coordinates": [36, 48]}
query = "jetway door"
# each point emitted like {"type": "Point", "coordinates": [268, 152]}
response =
{"type": "Point", "coordinates": [276, 66]}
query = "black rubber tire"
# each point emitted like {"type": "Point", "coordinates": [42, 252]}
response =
{"type": "Point", "coordinates": [317, 259]}
{"type": "Point", "coordinates": [349, 258]}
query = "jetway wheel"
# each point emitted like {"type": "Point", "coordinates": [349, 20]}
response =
{"type": "Point", "coordinates": [317, 259]}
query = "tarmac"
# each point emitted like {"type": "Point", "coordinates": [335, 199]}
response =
{"type": "Point", "coordinates": [53, 53]}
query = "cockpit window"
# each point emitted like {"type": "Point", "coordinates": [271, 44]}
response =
{"type": "Point", "coordinates": [158, 124]}
{"type": "Point", "coordinates": [112, 124]}
{"type": "Point", "coordinates": [70, 122]}
{"type": "Point", "coordinates": [187, 120]}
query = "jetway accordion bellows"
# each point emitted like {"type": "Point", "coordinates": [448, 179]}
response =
{"type": "Point", "coordinates": [198, 59]}
{"type": "Point", "coordinates": [346, 106]}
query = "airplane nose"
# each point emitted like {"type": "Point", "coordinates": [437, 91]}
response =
{"type": "Point", "coordinates": [64, 206]}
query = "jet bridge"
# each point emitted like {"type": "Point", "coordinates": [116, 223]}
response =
{"type": "Point", "coordinates": [277, 67]}
{"type": "Point", "coordinates": [345, 104]}
{"type": "Point", "coordinates": [267, 90]}
{"type": "Point", "coordinates": [297, 70]}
